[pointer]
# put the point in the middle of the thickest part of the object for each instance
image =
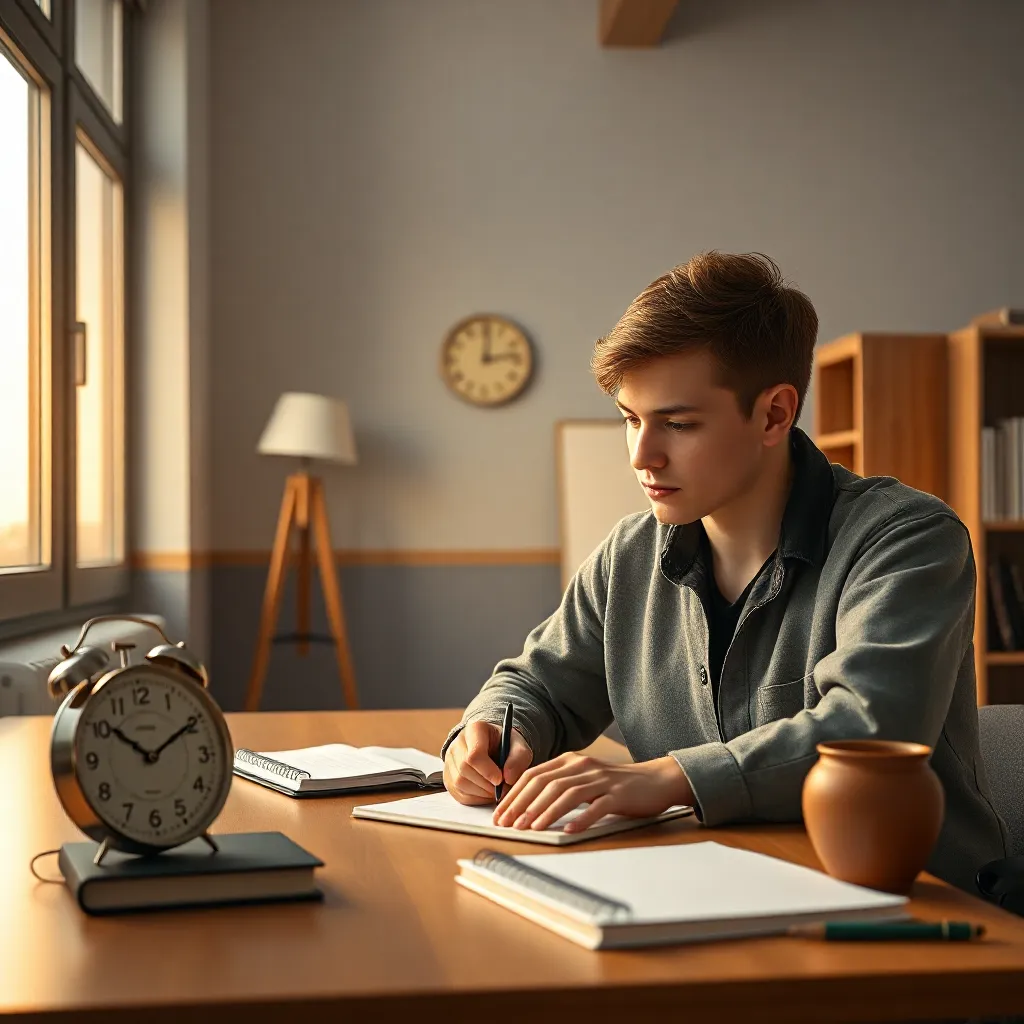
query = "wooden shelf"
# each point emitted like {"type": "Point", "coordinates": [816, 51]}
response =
{"type": "Point", "coordinates": [839, 439]}
{"type": "Point", "coordinates": [1004, 525]}
{"type": "Point", "coordinates": [1005, 657]}
{"type": "Point", "coordinates": [880, 406]}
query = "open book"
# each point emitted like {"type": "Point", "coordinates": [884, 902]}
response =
{"type": "Point", "coordinates": [648, 895]}
{"type": "Point", "coordinates": [442, 810]}
{"type": "Point", "coordinates": [338, 768]}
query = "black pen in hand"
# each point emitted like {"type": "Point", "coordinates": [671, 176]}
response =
{"type": "Point", "coordinates": [506, 743]}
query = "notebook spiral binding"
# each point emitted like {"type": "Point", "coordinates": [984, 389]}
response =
{"type": "Point", "coordinates": [268, 764]}
{"type": "Point", "coordinates": [593, 904]}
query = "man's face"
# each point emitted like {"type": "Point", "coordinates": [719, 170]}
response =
{"type": "Point", "coordinates": [690, 446]}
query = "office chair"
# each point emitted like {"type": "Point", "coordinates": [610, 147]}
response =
{"type": "Point", "coordinates": [1001, 731]}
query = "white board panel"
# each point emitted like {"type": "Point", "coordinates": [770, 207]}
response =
{"type": "Point", "coordinates": [596, 486]}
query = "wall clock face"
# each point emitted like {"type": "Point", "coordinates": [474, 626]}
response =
{"type": "Point", "coordinates": [486, 360]}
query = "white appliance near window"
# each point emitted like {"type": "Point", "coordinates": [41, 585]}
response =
{"type": "Point", "coordinates": [26, 664]}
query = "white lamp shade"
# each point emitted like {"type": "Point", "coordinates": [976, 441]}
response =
{"type": "Point", "coordinates": [309, 427]}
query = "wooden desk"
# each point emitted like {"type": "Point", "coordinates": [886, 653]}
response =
{"type": "Point", "coordinates": [396, 939]}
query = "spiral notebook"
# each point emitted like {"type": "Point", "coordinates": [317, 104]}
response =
{"type": "Point", "coordinates": [338, 768]}
{"type": "Point", "coordinates": [655, 895]}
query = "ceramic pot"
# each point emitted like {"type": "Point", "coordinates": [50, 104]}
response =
{"type": "Point", "coordinates": [873, 810]}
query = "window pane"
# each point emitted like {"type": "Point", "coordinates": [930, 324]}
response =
{"type": "Point", "coordinates": [44, 6]}
{"type": "Point", "coordinates": [99, 259]}
{"type": "Point", "coordinates": [98, 49]}
{"type": "Point", "coordinates": [24, 320]}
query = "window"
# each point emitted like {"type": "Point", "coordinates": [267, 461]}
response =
{"type": "Point", "coordinates": [24, 334]}
{"type": "Point", "coordinates": [99, 44]}
{"type": "Point", "coordinates": [63, 201]}
{"type": "Point", "coordinates": [99, 330]}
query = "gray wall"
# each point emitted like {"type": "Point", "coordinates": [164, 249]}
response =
{"type": "Point", "coordinates": [422, 636]}
{"type": "Point", "coordinates": [379, 170]}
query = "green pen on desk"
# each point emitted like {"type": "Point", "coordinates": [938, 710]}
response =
{"type": "Point", "coordinates": [881, 931]}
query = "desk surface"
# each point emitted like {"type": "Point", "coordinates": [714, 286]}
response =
{"type": "Point", "coordinates": [396, 938]}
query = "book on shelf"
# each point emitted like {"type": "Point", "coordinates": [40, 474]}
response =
{"type": "Point", "coordinates": [1012, 596]}
{"type": "Point", "coordinates": [1005, 316]}
{"type": "Point", "coordinates": [1002, 470]}
{"type": "Point", "coordinates": [1006, 605]}
{"type": "Point", "coordinates": [338, 768]}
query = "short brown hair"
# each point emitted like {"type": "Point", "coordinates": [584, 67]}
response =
{"type": "Point", "coordinates": [736, 306]}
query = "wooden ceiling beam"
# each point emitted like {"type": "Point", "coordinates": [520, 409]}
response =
{"type": "Point", "coordinates": [634, 22]}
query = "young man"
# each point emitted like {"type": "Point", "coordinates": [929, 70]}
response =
{"type": "Point", "coordinates": [767, 602]}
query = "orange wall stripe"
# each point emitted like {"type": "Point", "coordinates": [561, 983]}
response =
{"type": "Point", "coordinates": [183, 561]}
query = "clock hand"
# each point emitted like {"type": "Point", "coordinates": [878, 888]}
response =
{"type": "Point", "coordinates": [487, 357]}
{"type": "Point", "coordinates": [131, 743]}
{"type": "Point", "coordinates": [174, 735]}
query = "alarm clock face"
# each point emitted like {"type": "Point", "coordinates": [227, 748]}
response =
{"type": "Point", "coordinates": [152, 756]}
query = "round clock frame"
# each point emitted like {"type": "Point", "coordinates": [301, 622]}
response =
{"type": "Point", "coordinates": [487, 360]}
{"type": "Point", "coordinates": [178, 782]}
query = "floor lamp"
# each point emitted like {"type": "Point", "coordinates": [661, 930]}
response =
{"type": "Point", "coordinates": [309, 428]}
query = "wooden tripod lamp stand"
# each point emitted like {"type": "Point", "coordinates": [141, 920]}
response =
{"type": "Point", "coordinates": [307, 427]}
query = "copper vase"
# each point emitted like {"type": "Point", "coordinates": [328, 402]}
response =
{"type": "Point", "coordinates": [873, 810]}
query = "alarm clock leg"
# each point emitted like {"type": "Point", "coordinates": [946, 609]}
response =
{"type": "Point", "coordinates": [209, 840]}
{"type": "Point", "coordinates": [101, 853]}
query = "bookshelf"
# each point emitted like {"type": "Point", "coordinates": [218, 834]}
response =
{"type": "Point", "coordinates": [986, 373]}
{"type": "Point", "coordinates": [880, 406]}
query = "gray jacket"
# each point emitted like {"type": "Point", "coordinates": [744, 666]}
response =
{"type": "Point", "coordinates": [859, 626]}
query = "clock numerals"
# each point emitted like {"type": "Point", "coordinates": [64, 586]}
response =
{"type": "Point", "coordinates": [150, 760]}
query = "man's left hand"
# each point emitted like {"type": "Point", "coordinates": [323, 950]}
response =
{"type": "Point", "coordinates": [547, 791]}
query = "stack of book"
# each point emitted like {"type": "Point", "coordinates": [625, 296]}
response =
{"type": "Point", "coordinates": [1006, 605]}
{"type": "Point", "coordinates": [1002, 470]}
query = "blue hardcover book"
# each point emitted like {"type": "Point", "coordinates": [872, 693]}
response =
{"type": "Point", "coordinates": [250, 867]}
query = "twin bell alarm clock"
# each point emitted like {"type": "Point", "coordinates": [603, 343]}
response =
{"type": "Point", "coordinates": [140, 753]}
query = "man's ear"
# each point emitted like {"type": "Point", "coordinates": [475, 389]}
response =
{"type": "Point", "coordinates": [778, 406]}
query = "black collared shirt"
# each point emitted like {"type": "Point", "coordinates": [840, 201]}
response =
{"type": "Point", "coordinates": [722, 620]}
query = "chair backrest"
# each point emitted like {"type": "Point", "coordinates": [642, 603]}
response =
{"type": "Point", "coordinates": [1001, 729]}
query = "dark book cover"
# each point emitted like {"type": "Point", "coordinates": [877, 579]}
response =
{"type": "Point", "coordinates": [1014, 601]}
{"type": "Point", "coordinates": [1000, 611]}
{"type": "Point", "coordinates": [1016, 591]}
{"type": "Point", "coordinates": [250, 867]}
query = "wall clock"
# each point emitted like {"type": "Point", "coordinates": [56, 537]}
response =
{"type": "Point", "coordinates": [486, 360]}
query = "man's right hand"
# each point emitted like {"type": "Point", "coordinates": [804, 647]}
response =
{"type": "Point", "coordinates": [470, 767]}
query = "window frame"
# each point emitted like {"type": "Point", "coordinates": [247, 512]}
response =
{"type": "Point", "coordinates": [35, 590]}
{"type": "Point", "coordinates": [99, 582]}
{"type": "Point", "coordinates": [36, 598]}
{"type": "Point", "coordinates": [50, 28]}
